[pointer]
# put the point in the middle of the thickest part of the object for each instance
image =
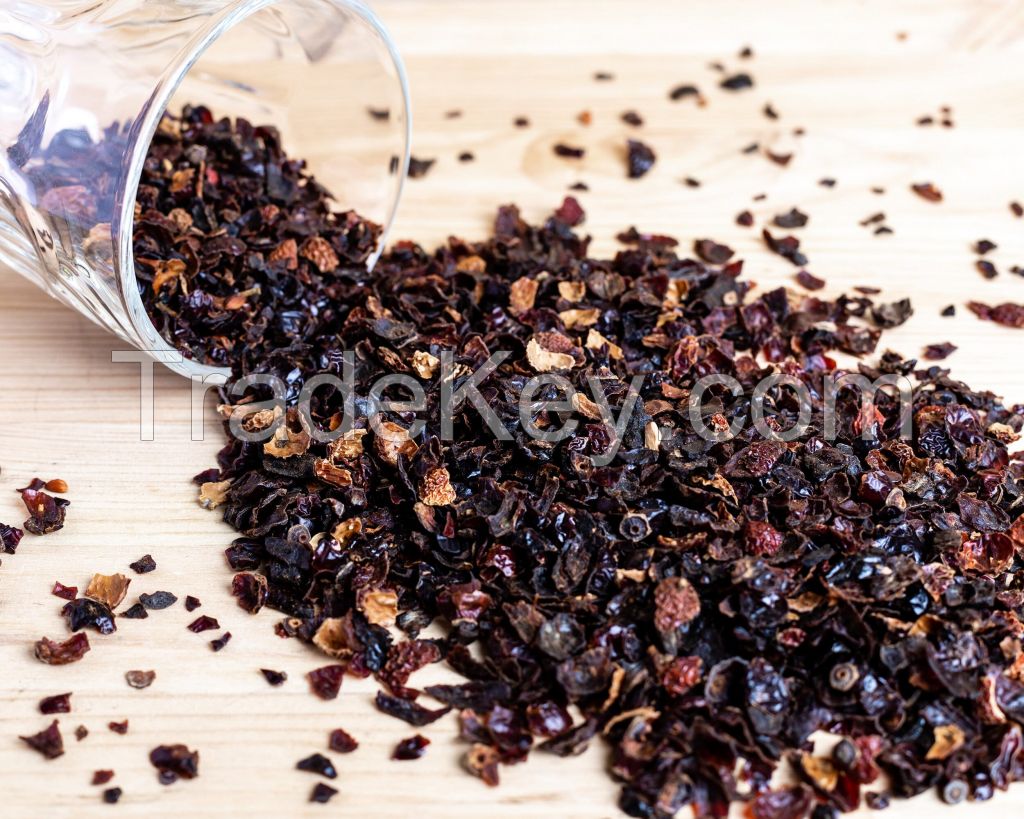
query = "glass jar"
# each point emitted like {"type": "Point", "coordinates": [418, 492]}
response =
{"type": "Point", "coordinates": [72, 69]}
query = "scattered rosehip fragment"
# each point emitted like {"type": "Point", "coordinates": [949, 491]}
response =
{"type": "Point", "coordinates": [787, 247]}
{"type": "Point", "coordinates": [57, 704]}
{"type": "Point", "coordinates": [603, 76]}
{"type": "Point", "coordinates": [419, 167]}
{"type": "Point", "coordinates": [579, 186]}
{"type": "Point", "coordinates": [986, 268]}
{"type": "Point", "coordinates": [938, 352]}
{"type": "Point", "coordinates": [249, 590]}
{"type": "Point", "coordinates": [955, 791]}
{"type": "Point", "coordinates": [322, 793]}
{"type": "Point", "coordinates": [64, 592]}
{"type": "Point", "coordinates": [340, 741]}
{"type": "Point", "coordinates": [207, 476]}
{"type": "Point", "coordinates": [405, 658]}
{"type": "Point", "coordinates": [318, 764]}
{"type": "Point", "coordinates": [776, 803]}
{"type": "Point", "coordinates": [712, 252]}
{"type": "Point", "coordinates": [140, 679]}
{"type": "Point", "coordinates": [70, 651]}
{"type": "Point", "coordinates": [809, 280]}
{"type": "Point", "coordinates": [745, 218]}
{"type": "Point", "coordinates": [570, 213]}
{"type": "Point", "coordinates": [143, 565]}
{"type": "Point", "coordinates": [221, 641]}
{"type": "Point", "coordinates": [203, 623]}
{"type": "Point", "coordinates": [752, 148]}
{"type": "Point", "coordinates": [681, 92]}
{"type": "Point", "coordinates": [382, 114]}
{"type": "Point", "coordinates": [1007, 314]}
{"type": "Point", "coordinates": [137, 611]}
{"type": "Point", "coordinates": [46, 513]}
{"type": "Point", "coordinates": [83, 612]}
{"type": "Point", "coordinates": [81, 732]}
{"type": "Point", "coordinates": [466, 156]}
{"type": "Point", "coordinates": [927, 191]}
{"type": "Point", "coordinates": [482, 696]}
{"type": "Point", "coordinates": [633, 236]}
{"type": "Point", "coordinates": [47, 742]}
{"type": "Point", "coordinates": [983, 246]}
{"type": "Point", "coordinates": [876, 800]}
{"type": "Point", "coordinates": [690, 182]}
{"type": "Point", "coordinates": [949, 310]}
{"type": "Point", "coordinates": [192, 603]}
{"type": "Point", "coordinates": [1017, 209]}
{"type": "Point", "coordinates": [585, 118]}
{"type": "Point", "coordinates": [102, 777]}
{"type": "Point", "coordinates": [482, 761]}
{"type": "Point", "coordinates": [275, 678]}
{"type": "Point", "coordinates": [412, 748]}
{"type": "Point", "coordinates": [827, 182]}
{"type": "Point", "coordinates": [158, 600]}
{"type": "Point", "coordinates": [454, 113]}
{"type": "Point", "coordinates": [793, 218]}
{"type": "Point", "coordinates": [568, 151]}
{"type": "Point", "coordinates": [112, 795]}
{"type": "Point", "coordinates": [109, 590]}
{"type": "Point", "coordinates": [521, 122]}
{"type": "Point", "coordinates": [632, 118]}
{"type": "Point", "coordinates": [325, 682]}
{"type": "Point", "coordinates": [893, 314]}
{"type": "Point", "coordinates": [408, 710]}
{"type": "Point", "coordinates": [10, 537]}
{"type": "Point", "coordinates": [779, 159]}
{"type": "Point", "coordinates": [641, 158]}
{"type": "Point", "coordinates": [119, 727]}
{"type": "Point", "coordinates": [737, 82]}
{"type": "Point", "coordinates": [769, 111]}
{"type": "Point", "coordinates": [175, 760]}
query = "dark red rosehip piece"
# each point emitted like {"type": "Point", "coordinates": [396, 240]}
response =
{"type": "Point", "coordinates": [412, 748]}
{"type": "Point", "coordinates": [47, 742]}
{"type": "Point", "coordinates": [57, 704]}
{"type": "Point", "coordinates": [342, 742]}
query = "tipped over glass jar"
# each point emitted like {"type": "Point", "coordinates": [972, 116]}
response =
{"type": "Point", "coordinates": [73, 74]}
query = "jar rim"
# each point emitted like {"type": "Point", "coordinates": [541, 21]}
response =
{"type": "Point", "coordinates": [160, 349]}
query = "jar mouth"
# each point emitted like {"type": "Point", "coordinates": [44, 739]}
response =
{"type": "Point", "coordinates": [145, 128]}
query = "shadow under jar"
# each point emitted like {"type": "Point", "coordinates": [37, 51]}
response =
{"type": "Point", "coordinates": [73, 73]}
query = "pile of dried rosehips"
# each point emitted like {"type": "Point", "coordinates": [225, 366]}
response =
{"type": "Point", "coordinates": [706, 605]}
{"type": "Point", "coordinates": [701, 601]}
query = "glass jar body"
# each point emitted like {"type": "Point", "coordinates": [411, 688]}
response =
{"type": "Point", "coordinates": [84, 85]}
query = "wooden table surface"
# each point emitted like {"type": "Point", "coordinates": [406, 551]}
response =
{"type": "Point", "coordinates": [837, 69]}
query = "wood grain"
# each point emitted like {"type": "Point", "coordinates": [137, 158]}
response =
{"type": "Point", "coordinates": [836, 69]}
